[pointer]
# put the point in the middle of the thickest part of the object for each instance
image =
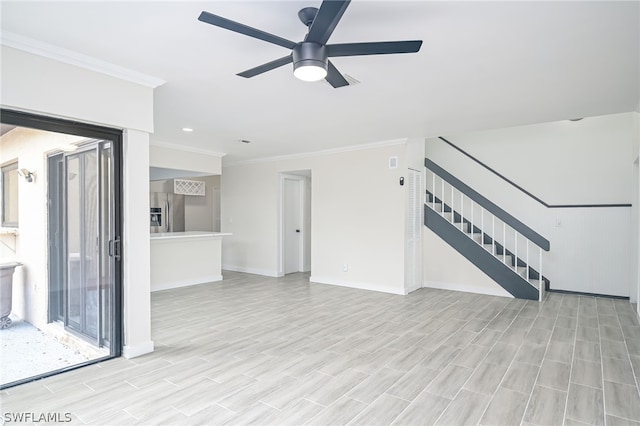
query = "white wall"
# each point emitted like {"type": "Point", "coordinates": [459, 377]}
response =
{"type": "Point", "coordinates": [357, 216]}
{"type": "Point", "coordinates": [136, 248]}
{"type": "Point", "coordinates": [182, 158]}
{"type": "Point", "coordinates": [584, 162]}
{"type": "Point", "coordinates": [635, 295]}
{"type": "Point", "coordinates": [34, 83]}
{"type": "Point", "coordinates": [30, 285]}
{"type": "Point", "coordinates": [44, 86]}
{"type": "Point", "coordinates": [564, 162]}
{"type": "Point", "coordinates": [200, 212]}
{"type": "Point", "coordinates": [181, 262]}
{"type": "Point", "coordinates": [447, 269]}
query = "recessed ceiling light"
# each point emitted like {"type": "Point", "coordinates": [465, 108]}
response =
{"type": "Point", "coordinates": [187, 129]}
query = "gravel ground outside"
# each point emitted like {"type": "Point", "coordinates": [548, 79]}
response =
{"type": "Point", "coordinates": [26, 351]}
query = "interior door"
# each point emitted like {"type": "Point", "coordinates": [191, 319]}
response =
{"type": "Point", "coordinates": [292, 222]}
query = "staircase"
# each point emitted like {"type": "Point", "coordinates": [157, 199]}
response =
{"type": "Point", "coordinates": [501, 246]}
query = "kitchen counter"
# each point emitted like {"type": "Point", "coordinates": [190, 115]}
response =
{"type": "Point", "coordinates": [180, 259]}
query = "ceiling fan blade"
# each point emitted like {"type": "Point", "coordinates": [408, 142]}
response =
{"type": "Point", "coordinates": [326, 20]}
{"type": "Point", "coordinates": [266, 67]}
{"type": "Point", "coordinates": [374, 48]}
{"type": "Point", "coordinates": [334, 77]}
{"type": "Point", "coordinates": [228, 24]}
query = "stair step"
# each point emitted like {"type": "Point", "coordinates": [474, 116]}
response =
{"type": "Point", "coordinates": [448, 216]}
{"type": "Point", "coordinates": [522, 271]}
{"type": "Point", "coordinates": [436, 206]}
{"type": "Point", "coordinates": [508, 258]}
{"type": "Point", "coordinates": [535, 283]}
{"type": "Point", "coordinates": [477, 237]}
{"type": "Point", "coordinates": [477, 253]}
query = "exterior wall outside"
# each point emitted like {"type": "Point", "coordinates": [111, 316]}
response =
{"type": "Point", "coordinates": [30, 281]}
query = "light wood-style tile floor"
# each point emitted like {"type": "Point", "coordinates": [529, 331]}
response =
{"type": "Point", "coordinates": [256, 350]}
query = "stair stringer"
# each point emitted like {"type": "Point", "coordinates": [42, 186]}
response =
{"type": "Point", "coordinates": [481, 258]}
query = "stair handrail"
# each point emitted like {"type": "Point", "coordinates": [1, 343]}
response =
{"type": "Point", "coordinates": [521, 189]}
{"type": "Point", "coordinates": [488, 205]}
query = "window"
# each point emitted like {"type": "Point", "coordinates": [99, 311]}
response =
{"type": "Point", "coordinates": [10, 195]}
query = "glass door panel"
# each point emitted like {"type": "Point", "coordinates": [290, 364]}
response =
{"type": "Point", "coordinates": [106, 283]}
{"type": "Point", "coordinates": [89, 231]}
{"type": "Point", "coordinates": [74, 216]}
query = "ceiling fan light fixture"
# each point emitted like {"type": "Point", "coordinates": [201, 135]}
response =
{"type": "Point", "coordinates": [310, 61]}
{"type": "Point", "coordinates": [309, 72]}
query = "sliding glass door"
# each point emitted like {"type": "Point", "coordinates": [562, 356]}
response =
{"type": "Point", "coordinates": [88, 242]}
{"type": "Point", "coordinates": [76, 319]}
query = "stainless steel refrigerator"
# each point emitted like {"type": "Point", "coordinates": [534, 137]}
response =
{"type": "Point", "coordinates": [167, 212]}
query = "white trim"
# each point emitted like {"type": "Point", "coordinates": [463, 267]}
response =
{"type": "Point", "coordinates": [71, 57]}
{"type": "Point", "coordinates": [255, 271]}
{"type": "Point", "coordinates": [314, 279]}
{"type": "Point", "coordinates": [137, 350]}
{"type": "Point", "coordinates": [339, 150]}
{"type": "Point", "coordinates": [467, 288]}
{"type": "Point", "coordinates": [185, 283]}
{"type": "Point", "coordinates": [187, 148]}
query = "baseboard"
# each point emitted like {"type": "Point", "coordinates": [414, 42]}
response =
{"type": "Point", "coordinates": [411, 290]}
{"type": "Point", "coordinates": [356, 284]}
{"type": "Point", "coordinates": [137, 350]}
{"type": "Point", "coordinates": [467, 288]}
{"type": "Point", "coordinates": [185, 283]}
{"type": "Point", "coordinates": [255, 271]}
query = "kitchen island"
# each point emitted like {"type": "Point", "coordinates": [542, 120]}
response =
{"type": "Point", "coordinates": [180, 259]}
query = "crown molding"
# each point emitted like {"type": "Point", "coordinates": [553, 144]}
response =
{"type": "Point", "coordinates": [187, 148]}
{"type": "Point", "coordinates": [330, 151]}
{"type": "Point", "coordinates": [71, 57]}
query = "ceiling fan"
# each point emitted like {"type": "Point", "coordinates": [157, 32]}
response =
{"type": "Point", "coordinates": [310, 57]}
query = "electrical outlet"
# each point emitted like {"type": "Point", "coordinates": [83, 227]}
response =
{"type": "Point", "coordinates": [345, 267]}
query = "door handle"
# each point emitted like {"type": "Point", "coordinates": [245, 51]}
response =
{"type": "Point", "coordinates": [297, 230]}
{"type": "Point", "coordinates": [114, 248]}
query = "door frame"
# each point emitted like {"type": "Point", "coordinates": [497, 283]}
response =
{"type": "Point", "coordinates": [59, 125]}
{"type": "Point", "coordinates": [635, 218]}
{"type": "Point", "coordinates": [303, 179]}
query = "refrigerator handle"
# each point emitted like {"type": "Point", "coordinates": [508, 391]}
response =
{"type": "Point", "coordinates": [168, 221]}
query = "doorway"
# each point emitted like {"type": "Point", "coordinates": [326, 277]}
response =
{"type": "Point", "coordinates": [295, 222]}
{"type": "Point", "coordinates": [81, 241]}
{"type": "Point", "coordinates": [66, 307]}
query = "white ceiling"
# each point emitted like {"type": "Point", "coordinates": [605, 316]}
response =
{"type": "Point", "coordinates": [482, 65]}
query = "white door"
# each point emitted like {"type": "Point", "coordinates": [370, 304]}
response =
{"type": "Point", "coordinates": [635, 215]}
{"type": "Point", "coordinates": [413, 231]}
{"type": "Point", "coordinates": [292, 222]}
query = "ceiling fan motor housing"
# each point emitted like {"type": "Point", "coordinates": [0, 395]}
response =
{"type": "Point", "coordinates": [309, 54]}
